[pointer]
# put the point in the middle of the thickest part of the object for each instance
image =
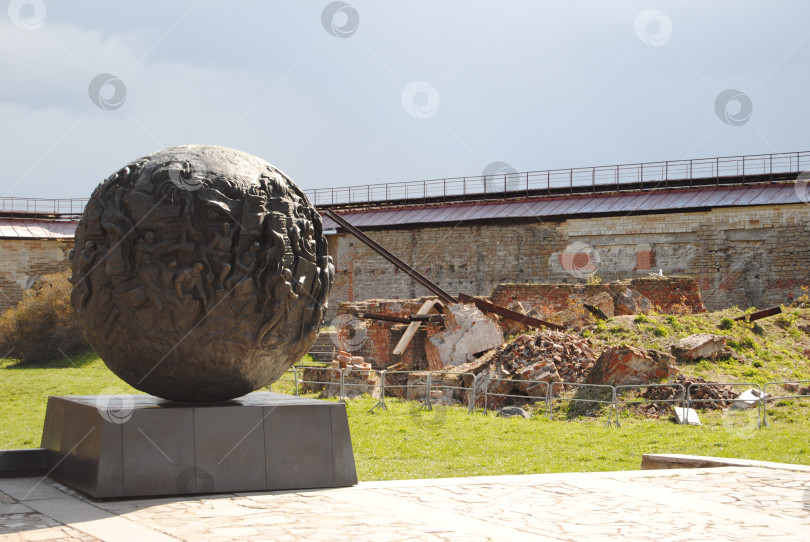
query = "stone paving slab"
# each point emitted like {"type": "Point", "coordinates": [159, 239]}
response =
{"type": "Point", "coordinates": [729, 503]}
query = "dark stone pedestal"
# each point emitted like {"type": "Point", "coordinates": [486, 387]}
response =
{"type": "Point", "coordinates": [139, 445]}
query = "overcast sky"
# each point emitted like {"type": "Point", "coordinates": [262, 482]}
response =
{"type": "Point", "coordinates": [339, 94]}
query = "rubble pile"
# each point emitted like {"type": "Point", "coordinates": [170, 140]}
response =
{"type": "Point", "coordinates": [794, 388]}
{"type": "Point", "coordinates": [545, 356]}
{"type": "Point", "coordinates": [358, 378]}
{"type": "Point", "coordinates": [716, 397]}
{"type": "Point", "coordinates": [549, 355]}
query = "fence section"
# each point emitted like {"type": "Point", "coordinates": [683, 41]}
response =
{"type": "Point", "coordinates": [446, 387]}
{"type": "Point", "coordinates": [691, 399]}
{"type": "Point", "coordinates": [537, 390]}
{"type": "Point", "coordinates": [783, 390]}
{"type": "Point", "coordinates": [601, 394]}
{"type": "Point", "coordinates": [679, 398]}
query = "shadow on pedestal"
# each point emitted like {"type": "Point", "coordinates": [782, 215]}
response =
{"type": "Point", "coordinates": [139, 445]}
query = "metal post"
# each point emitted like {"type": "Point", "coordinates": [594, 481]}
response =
{"type": "Point", "coordinates": [295, 374]}
{"type": "Point", "coordinates": [427, 405]}
{"type": "Point", "coordinates": [527, 184]}
{"type": "Point", "coordinates": [471, 407]}
{"type": "Point", "coordinates": [613, 408]}
{"type": "Point", "coordinates": [690, 173]}
{"type": "Point", "coordinates": [381, 387]}
{"type": "Point", "coordinates": [486, 399]}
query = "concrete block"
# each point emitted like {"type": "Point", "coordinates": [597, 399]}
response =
{"type": "Point", "coordinates": [688, 416]}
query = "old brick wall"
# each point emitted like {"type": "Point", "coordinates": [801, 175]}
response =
{"type": "Point", "coordinates": [376, 339]}
{"type": "Point", "coordinates": [663, 292]}
{"type": "Point", "coordinates": [22, 261]}
{"type": "Point", "coordinates": [745, 256]}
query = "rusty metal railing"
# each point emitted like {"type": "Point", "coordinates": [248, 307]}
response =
{"type": "Point", "coordinates": [717, 171]}
{"type": "Point", "coordinates": [62, 208]}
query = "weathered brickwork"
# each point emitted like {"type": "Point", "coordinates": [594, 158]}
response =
{"type": "Point", "coordinates": [22, 261]}
{"type": "Point", "coordinates": [745, 256]}
{"type": "Point", "coordinates": [374, 340]}
{"type": "Point", "coordinates": [667, 294]}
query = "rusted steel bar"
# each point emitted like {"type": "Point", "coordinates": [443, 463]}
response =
{"type": "Point", "coordinates": [400, 319]}
{"type": "Point", "coordinates": [485, 306]}
{"type": "Point", "coordinates": [413, 273]}
{"type": "Point", "coordinates": [383, 317]}
{"type": "Point", "coordinates": [764, 313]}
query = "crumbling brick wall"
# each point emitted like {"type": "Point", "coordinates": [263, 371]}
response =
{"type": "Point", "coordinates": [665, 293]}
{"type": "Point", "coordinates": [23, 261]}
{"type": "Point", "coordinates": [379, 338]}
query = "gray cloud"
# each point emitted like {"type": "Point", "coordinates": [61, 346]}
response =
{"type": "Point", "coordinates": [536, 85]}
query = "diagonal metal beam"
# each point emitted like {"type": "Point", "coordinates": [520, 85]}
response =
{"type": "Point", "coordinates": [413, 273]}
{"type": "Point", "coordinates": [485, 306]}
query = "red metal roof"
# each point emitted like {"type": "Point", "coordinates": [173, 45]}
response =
{"type": "Point", "coordinates": [37, 229]}
{"type": "Point", "coordinates": [659, 200]}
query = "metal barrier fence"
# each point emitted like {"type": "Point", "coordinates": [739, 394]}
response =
{"type": "Point", "coordinates": [695, 385]}
{"type": "Point", "coordinates": [764, 399]}
{"type": "Point", "coordinates": [580, 387]}
{"type": "Point", "coordinates": [442, 386]}
{"type": "Point", "coordinates": [681, 398]}
{"type": "Point", "coordinates": [532, 383]}
{"type": "Point", "coordinates": [378, 384]}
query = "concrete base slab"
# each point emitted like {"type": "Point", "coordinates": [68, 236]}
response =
{"type": "Point", "coordinates": [139, 445]}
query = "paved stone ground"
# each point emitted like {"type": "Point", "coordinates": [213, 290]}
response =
{"type": "Point", "coordinates": [730, 503]}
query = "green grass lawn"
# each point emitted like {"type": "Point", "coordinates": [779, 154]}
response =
{"type": "Point", "coordinates": [405, 442]}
